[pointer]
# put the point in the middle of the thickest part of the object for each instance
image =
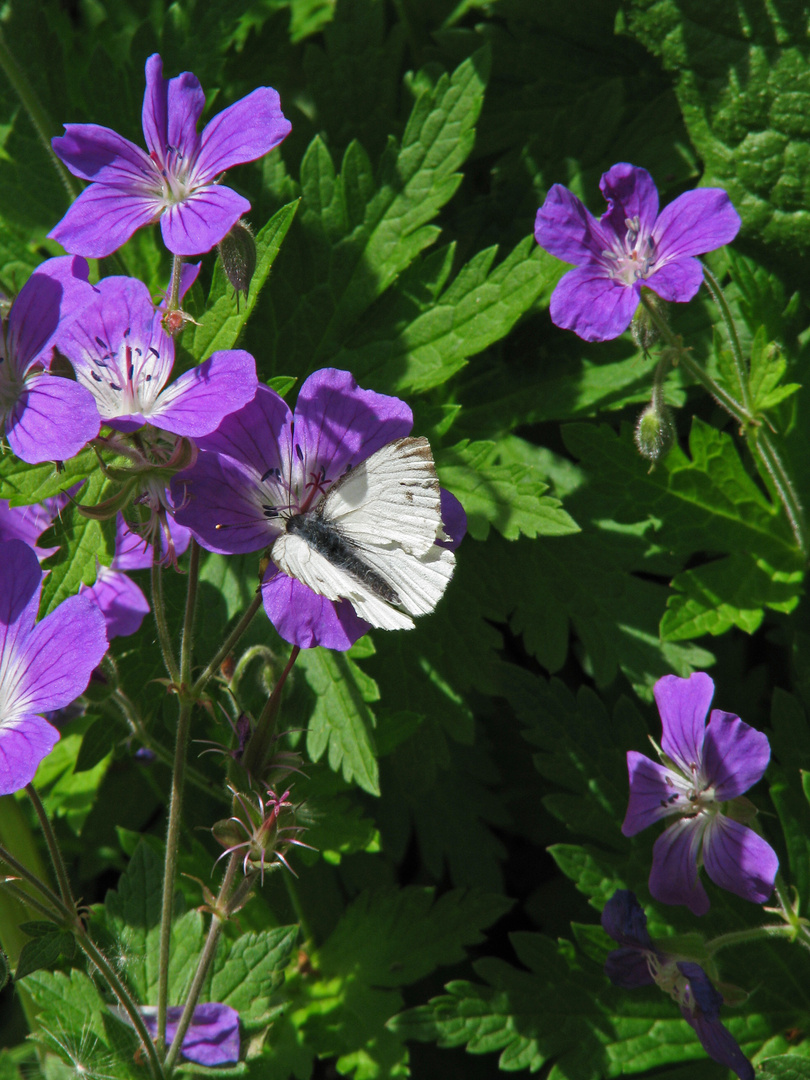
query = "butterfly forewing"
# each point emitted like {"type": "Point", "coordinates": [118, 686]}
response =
{"type": "Point", "coordinates": [391, 497]}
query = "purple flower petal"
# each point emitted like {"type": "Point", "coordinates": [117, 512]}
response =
{"type": "Point", "coordinates": [678, 281]}
{"type": "Point", "coordinates": [630, 193]}
{"type": "Point", "coordinates": [24, 741]}
{"type": "Point", "coordinates": [120, 601]}
{"type": "Point", "coordinates": [212, 1038]}
{"type": "Point", "coordinates": [565, 227]}
{"type": "Point", "coordinates": [198, 224]}
{"type": "Point", "coordinates": [26, 523]}
{"type": "Point", "coordinates": [694, 223]}
{"type": "Point", "coordinates": [735, 755]}
{"type": "Point", "coordinates": [704, 1017]}
{"type": "Point", "coordinates": [197, 402]}
{"type": "Point", "coordinates": [20, 581]}
{"type": "Point", "coordinates": [454, 520]}
{"type": "Point", "coordinates": [52, 419]}
{"type": "Point", "coordinates": [684, 705]}
{"type": "Point", "coordinates": [257, 435]}
{"type": "Point", "coordinates": [651, 791]}
{"type": "Point", "coordinates": [54, 295]}
{"type": "Point", "coordinates": [245, 131]}
{"type": "Point", "coordinates": [103, 156]}
{"type": "Point", "coordinates": [674, 874]}
{"type": "Point", "coordinates": [217, 500]}
{"type": "Point", "coordinates": [739, 860]}
{"type": "Point", "coordinates": [59, 657]}
{"type": "Point", "coordinates": [171, 111]}
{"type": "Point", "coordinates": [305, 619]}
{"type": "Point", "coordinates": [628, 968]}
{"type": "Point", "coordinates": [337, 424]}
{"type": "Point", "coordinates": [594, 306]}
{"type": "Point", "coordinates": [103, 218]}
{"type": "Point", "coordinates": [624, 920]}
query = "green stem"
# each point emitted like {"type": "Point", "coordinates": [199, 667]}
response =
{"type": "Point", "coordinates": [743, 937]}
{"type": "Point", "coordinates": [27, 900]}
{"type": "Point", "coordinates": [173, 301]}
{"type": "Point", "coordinates": [206, 957]}
{"type": "Point", "coordinates": [43, 124]}
{"type": "Point", "coordinates": [159, 610]}
{"type": "Point", "coordinates": [25, 873]}
{"type": "Point", "coordinates": [740, 366]}
{"type": "Point", "coordinates": [101, 962]}
{"type": "Point", "coordinates": [53, 848]}
{"type": "Point", "coordinates": [762, 445]}
{"type": "Point", "coordinates": [170, 868]}
{"type": "Point", "coordinates": [187, 640]}
{"type": "Point", "coordinates": [213, 667]}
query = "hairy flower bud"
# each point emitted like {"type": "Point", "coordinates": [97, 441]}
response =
{"type": "Point", "coordinates": [643, 329]}
{"type": "Point", "coordinates": [655, 432]}
{"type": "Point", "coordinates": [237, 253]}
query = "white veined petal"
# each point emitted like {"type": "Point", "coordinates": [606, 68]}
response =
{"type": "Point", "coordinates": [391, 497]}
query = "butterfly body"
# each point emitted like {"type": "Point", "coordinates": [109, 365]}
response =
{"type": "Point", "coordinates": [371, 539]}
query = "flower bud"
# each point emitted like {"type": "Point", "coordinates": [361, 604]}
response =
{"type": "Point", "coordinates": [237, 253]}
{"type": "Point", "coordinates": [643, 329]}
{"type": "Point", "coordinates": [655, 432]}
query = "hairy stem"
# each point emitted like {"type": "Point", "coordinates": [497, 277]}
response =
{"type": "Point", "coordinates": [53, 848]}
{"type": "Point", "coordinates": [740, 366]}
{"type": "Point", "coordinates": [187, 640]}
{"type": "Point", "coordinates": [159, 610]}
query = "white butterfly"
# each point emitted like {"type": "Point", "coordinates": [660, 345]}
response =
{"type": "Point", "coordinates": [371, 539]}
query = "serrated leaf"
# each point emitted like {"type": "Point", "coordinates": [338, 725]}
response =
{"type": "Point", "coordinates": [83, 545]}
{"type": "Point", "coordinates": [786, 1067]}
{"type": "Point", "coordinates": [247, 975]}
{"type": "Point", "coordinates": [395, 936]}
{"type": "Point", "coordinates": [23, 484]}
{"type": "Point", "coordinates": [359, 235]}
{"type": "Point", "coordinates": [478, 308]}
{"type": "Point", "coordinates": [510, 497]}
{"type": "Point", "coordinates": [221, 324]}
{"type": "Point", "coordinates": [752, 134]}
{"type": "Point", "coordinates": [341, 722]}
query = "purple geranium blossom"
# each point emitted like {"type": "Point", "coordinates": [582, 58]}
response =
{"type": "Point", "coordinates": [640, 962]}
{"type": "Point", "coordinates": [630, 246]}
{"type": "Point", "coordinates": [254, 463]}
{"type": "Point", "coordinates": [704, 767]}
{"type": "Point", "coordinates": [122, 355]}
{"type": "Point", "coordinates": [28, 523]}
{"type": "Point", "coordinates": [45, 417]}
{"type": "Point", "coordinates": [43, 667]}
{"type": "Point", "coordinates": [213, 1035]}
{"type": "Point", "coordinates": [175, 182]}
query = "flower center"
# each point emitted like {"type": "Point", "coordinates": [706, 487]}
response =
{"type": "Point", "coordinates": [691, 795]}
{"type": "Point", "coordinates": [631, 258]}
{"type": "Point", "coordinates": [173, 172]}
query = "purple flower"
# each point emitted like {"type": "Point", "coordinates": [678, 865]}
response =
{"type": "Point", "coordinates": [45, 417]}
{"type": "Point", "coordinates": [43, 667]}
{"type": "Point", "coordinates": [264, 466]}
{"type": "Point", "coordinates": [122, 355]}
{"type": "Point", "coordinates": [213, 1035]}
{"type": "Point", "coordinates": [28, 523]}
{"type": "Point", "coordinates": [176, 181]}
{"type": "Point", "coordinates": [640, 962]}
{"type": "Point", "coordinates": [704, 767]}
{"type": "Point", "coordinates": [630, 246]}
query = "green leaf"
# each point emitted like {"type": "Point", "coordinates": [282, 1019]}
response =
{"type": "Point", "coordinates": [395, 936]}
{"type": "Point", "coordinates": [341, 722]}
{"type": "Point", "coordinates": [247, 975]}
{"type": "Point", "coordinates": [786, 1067]}
{"type": "Point", "coordinates": [44, 952]}
{"type": "Point", "coordinates": [96, 744]}
{"type": "Point", "coordinates": [221, 324]}
{"type": "Point", "coordinates": [478, 308]}
{"type": "Point", "coordinates": [510, 497]}
{"type": "Point", "coordinates": [23, 484]}
{"type": "Point", "coordinates": [83, 544]}
{"type": "Point", "coordinates": [354, 237]}
{"type": "Point", "coordinates": [66, 793]}
{"type": "Point", "coordinates": [752, 134]}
